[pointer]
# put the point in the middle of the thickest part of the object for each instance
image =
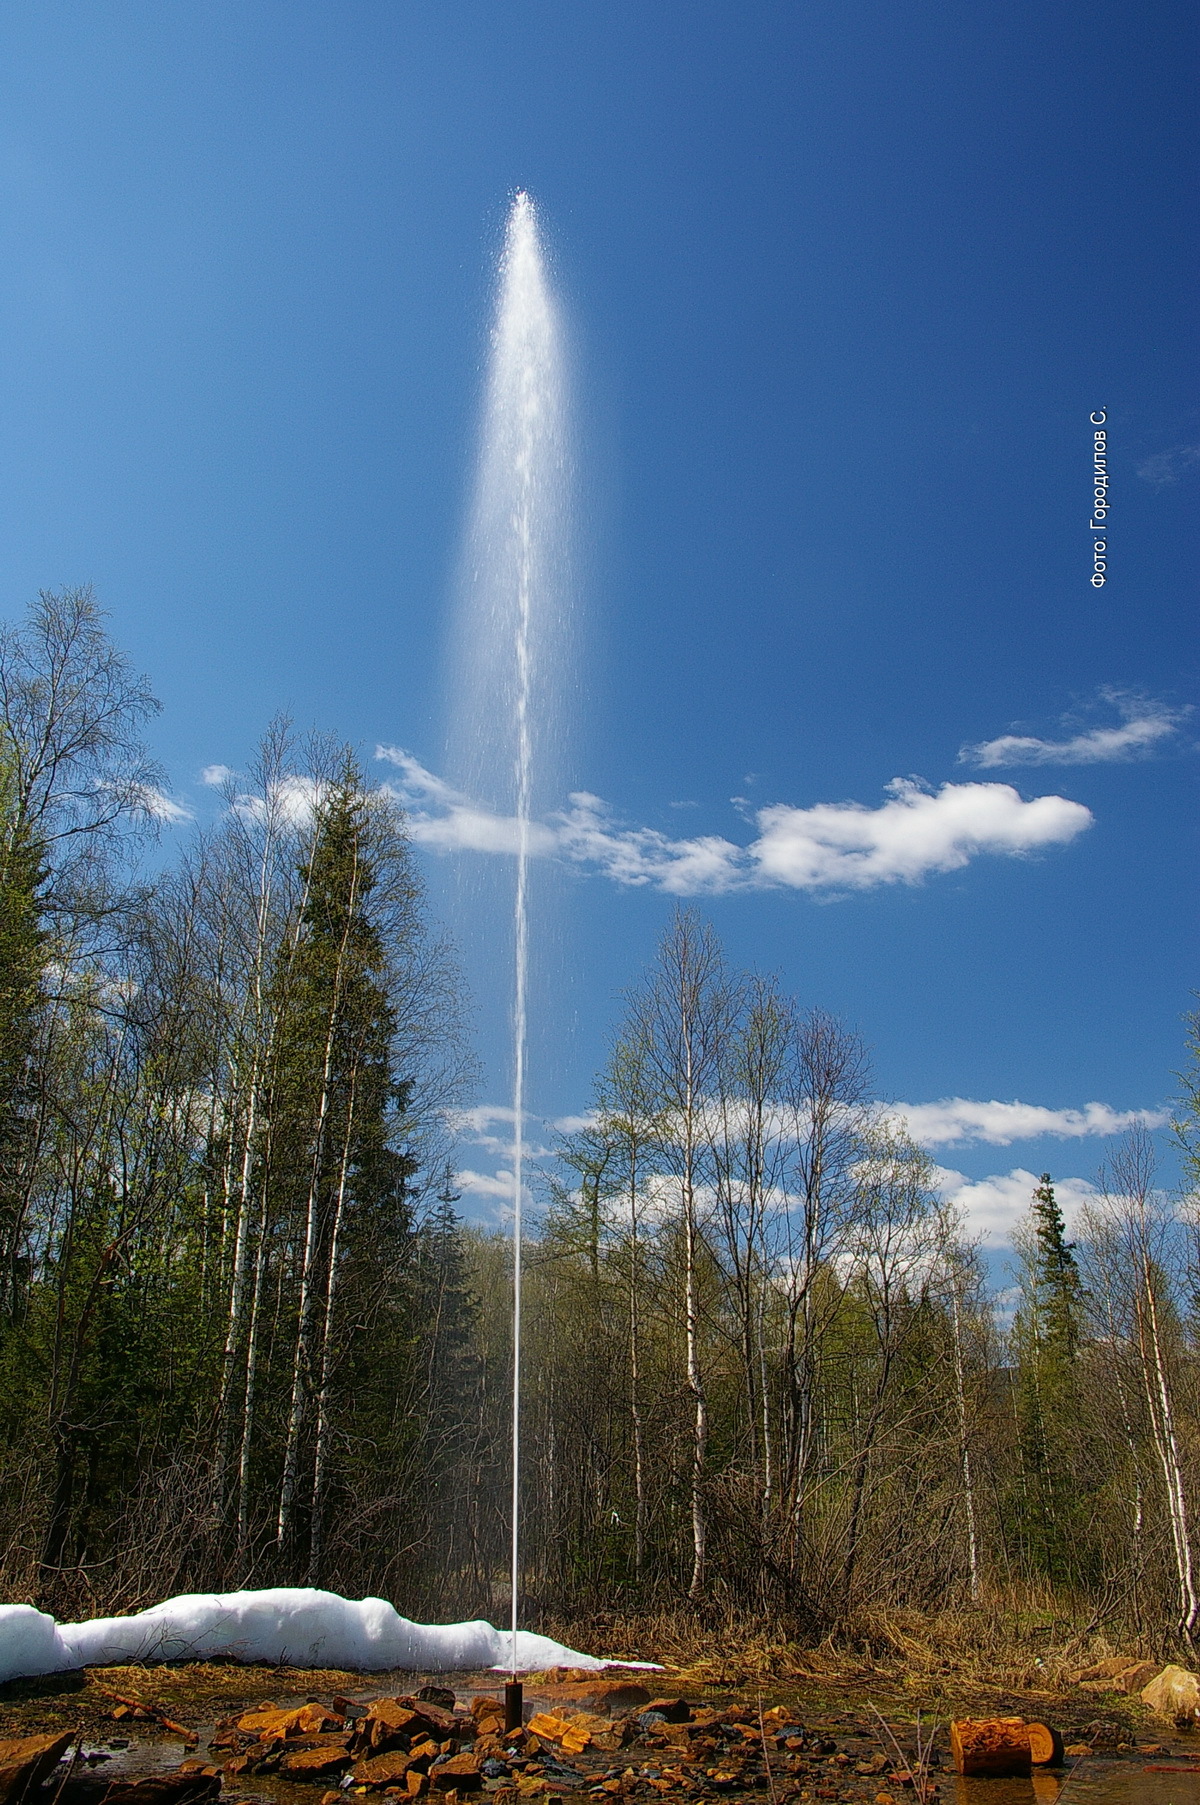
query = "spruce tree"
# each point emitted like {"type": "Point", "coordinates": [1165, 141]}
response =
{"type": "Point", "coordinates": [1056, 1278]}
{"type": "Point", "coordinates": [339, 1179]}
{"type": "Point", "coordinates": [1047, 1333]}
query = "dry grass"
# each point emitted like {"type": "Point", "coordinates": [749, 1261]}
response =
{"type": "Point", "coordinates": [1006, 1644]}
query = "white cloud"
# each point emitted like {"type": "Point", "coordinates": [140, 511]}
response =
{"type": "Point", "coordinates": [575, 1124]}
{"type": "Point", "coordinates": [636, 856]}
{"type": "Point", "coordinates": [295, 799]}
{"type": "Point", "coordinates": [1144, 725]}
{"type": "Point", "coordinates": [159, 806]}
{"type": "Point", "coordinates": [1166, 467]}
{"type": "Point", "coordinates": [844, 845]}
{"type": "Point", "coordinates": [495, 1188]}
{"type": "Point", "coordinates": [961, 1119]}
{"type": "Point", "coordinates": [418, 782]}
{"type": "Point", "coordinates": [485, 1184]}
{"type": "Point", "coordinates": [445, 820]}
{"type": "Point", "coordinates": [480, 1119]}
{"type": "Point", "coordinates": [828, 848]}
{"type": "Point", "coordinates": [215, 775]}
{"type": "Point", "coordinates": [993, 1207]}
{"type": "Point", "coordinates": [478, 1126]}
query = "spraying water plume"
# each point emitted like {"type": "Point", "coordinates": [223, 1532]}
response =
{"type": "Point", "coordinates": [511, 635]}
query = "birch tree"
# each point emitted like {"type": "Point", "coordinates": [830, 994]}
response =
{"type": "Point", "coordinates": [682, 1017]}
{"type": "Point", "coordinates": [1143, 1230]}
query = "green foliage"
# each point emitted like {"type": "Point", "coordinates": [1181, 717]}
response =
{"type": "Point", "coordinates": [23, 953]}
{"type": "Point", "coordinates": [1186, 1123]}
{"type": "Point", "coordinates": [222, 1352]}
{"type": "Point", "coordinates": [1050, 1506]}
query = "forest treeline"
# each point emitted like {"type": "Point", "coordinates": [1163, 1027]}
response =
{"type": "Point", "coordinates": [230, 1299]}
{"type": "Point", "coordinates": [245, 1339]}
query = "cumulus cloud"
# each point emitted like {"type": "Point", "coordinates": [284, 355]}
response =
{"type": "Point", "coordinates": [846, 845]}
{"type": "Point", "coordinates": [493, 1187]}
{"type": "Point", "coordinates": [993, 1207]}
{"type": "Point", "coordinates": [828, 849]}
{"type": "Point", "coordinates": [1143, 726]}
{"type": "Point", "coordinates": [958, 1120]}
{"type": "Point", "coordinates": [216, 775]}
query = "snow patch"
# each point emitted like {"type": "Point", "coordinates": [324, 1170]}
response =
{"type": "Point", "coordinates": [294, 1625]}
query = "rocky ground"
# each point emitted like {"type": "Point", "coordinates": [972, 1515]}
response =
{"type": "Point", "coordinates": [195, 1734]}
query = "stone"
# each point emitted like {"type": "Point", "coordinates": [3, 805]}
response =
{"type": "Point", "coordinates": [598, 1694]}
{"type": "Point", "coordinates": [314, 1720]}
{"type": "Point", "coordinates": [461, 1773]}
{"type": "Point", "coordinates": [314, 1764]}
{"type": "Point", "coordinates": [25, 1761]}
{"type": "Point", "coordinates": [1120, 1673]}
{"type": "Point", "coordinates": [1131, 1679]}
{"type": "Point", "coordinates": [165, 1789]}
{"type": "Point", "coordinates": [671, 1710]}
{"type": "Point", "coordinates": [1174, 1693]}
{"type": "Point", "coordinates": [272, 1723]}
{"type": "Point", "coordinates": [551, 1726]}
{"type": "Point", "coordinates": [437, 1721]}
{"type": "Point", "coordinates": [386, 1722]}
{"type": "Point", "coordinates": [385, 1770]}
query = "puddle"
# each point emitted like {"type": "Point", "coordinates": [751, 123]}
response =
{"type": "Point", "coordinates": [151, 1756]}
{"type": "Point", "coordinates": [1093, 1781]}
{"type": "Point", "coordinates": [1100, 1782]}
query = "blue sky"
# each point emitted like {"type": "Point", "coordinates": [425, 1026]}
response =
{"type": "Point", "coordinates": [844, 283]}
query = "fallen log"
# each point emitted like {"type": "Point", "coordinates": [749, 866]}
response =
{"type": "Point", "coordinates": [1045, 1745]}
{"type": "Point", "coordinates": [1003, 1745]}
{"type": "Point", "coordinates": [993, 1746]}
{"type": "Point", "coordinates": [127, 1706]}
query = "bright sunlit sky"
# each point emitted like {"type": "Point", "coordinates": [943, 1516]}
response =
{"type": "Point", "coordinates": [843, 283]}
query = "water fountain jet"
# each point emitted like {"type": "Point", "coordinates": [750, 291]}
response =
{"type": "Point", "coordinates": [514, 605]}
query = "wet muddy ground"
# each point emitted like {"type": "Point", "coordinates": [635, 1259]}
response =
{"type": "Point", "coordinates": [786, 1744]}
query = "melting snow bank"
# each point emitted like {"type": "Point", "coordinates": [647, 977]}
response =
{"type": "Point", "coordinates": [293, 1625]}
